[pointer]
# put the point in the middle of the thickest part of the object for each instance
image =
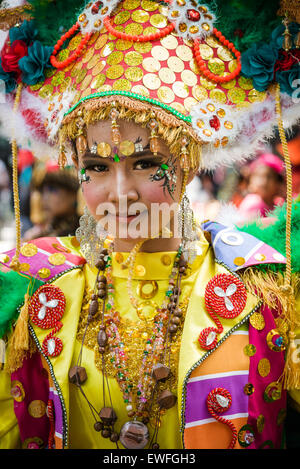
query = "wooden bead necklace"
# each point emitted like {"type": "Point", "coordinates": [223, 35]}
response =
{"type": "Point", "coordinates": [202, 64]}
{"type": "Point", "coordinates": [155, 367]}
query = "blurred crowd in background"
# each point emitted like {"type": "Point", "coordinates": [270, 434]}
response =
{"type": "Point", "coordinates": [51, 201]}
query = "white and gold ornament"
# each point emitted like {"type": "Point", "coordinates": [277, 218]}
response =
{"type": "Point", "coordinates": [91, 18]}
{"type": "Point", "coordinates": [191, 20]}
{"type": "Point", "coordinates": [214, 122]}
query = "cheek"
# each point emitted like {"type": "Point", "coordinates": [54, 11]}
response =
{"type": "Point", "coordinates": [93, 194]}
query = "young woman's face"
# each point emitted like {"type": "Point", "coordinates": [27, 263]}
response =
{"type": "Point", "coordinates": [125, 191]}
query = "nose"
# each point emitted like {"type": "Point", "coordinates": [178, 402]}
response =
{"type": "Point", "coordinates": [123, 185]}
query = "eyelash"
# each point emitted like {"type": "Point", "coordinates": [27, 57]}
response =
{"type": "Point", "coordinates": [148, 163]}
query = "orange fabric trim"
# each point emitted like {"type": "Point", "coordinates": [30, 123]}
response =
{"type": "Point", "coordinates": [229, 356]}
{"type": "Point", "coordinates": [213, 435]}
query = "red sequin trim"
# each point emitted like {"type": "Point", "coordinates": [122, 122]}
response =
{"type": "Point", "coordinates": [218, 401]}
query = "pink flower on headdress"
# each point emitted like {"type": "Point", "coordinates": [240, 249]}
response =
{"type": "Point", "coordinates": [11, 55]}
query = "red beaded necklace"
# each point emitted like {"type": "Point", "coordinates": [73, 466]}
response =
{"type": "Point", "coordinates": [54, 62]}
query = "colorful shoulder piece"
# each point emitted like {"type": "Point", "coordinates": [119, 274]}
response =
{"type": "Point", "coordinates": [45, 258]}
{"type": "Point", "coordinates": [238, 249]}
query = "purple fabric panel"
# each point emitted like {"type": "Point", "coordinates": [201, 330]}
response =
{"type": "Point", "coordinates": [257, 405]}
{"type": "Point", "coordinates": [57, 412]}
{"type": "Point", "coordinates": [198, 391]}
{"type": "Point", "coordinates": [36, 386]}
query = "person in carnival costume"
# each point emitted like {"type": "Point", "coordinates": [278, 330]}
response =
{"type": "Point", "coordinates": [183, 336]}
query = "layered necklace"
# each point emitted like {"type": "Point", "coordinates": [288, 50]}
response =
{"type": "Point", "coordinates": [150, 396]}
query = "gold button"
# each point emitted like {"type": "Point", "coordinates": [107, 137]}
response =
{"type": "Point", "coordinates": [44, 273]}
{"type": "Point", "coordinates": [57, 259]}
{"type": "Point", "coordinates": [29, 250]}
{"type": "Point", "coordinates": [147, 289]}
{"type": "Point", "coordinates": [239, 261]}
{"type": "Point", "coordinates": [119, 258]}
{"type": "Point", "coordinates": [166, 259]}
{"type": "Point", "coordinates": [140, 270]}
{"type": "Point", "coordinates": [37, 409]}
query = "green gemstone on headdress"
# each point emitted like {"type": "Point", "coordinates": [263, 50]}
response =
{"type": "Point", "coordinates": [164, 166]}
{"type": "Point", "coordinates": [116, 158]}
{"type": "Point", "coordinates": [82, 171]}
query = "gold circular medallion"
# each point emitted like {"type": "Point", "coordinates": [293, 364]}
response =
{"type": "Point", "coordinates": [165, 94]}
{"type": "Point", "coordinates": [121, 44]}
{"type": "Point", "coordinates": [273, 392]}
{"type": "Point", "coordinates": [115, 57]}
{"type": "Point", "coordinates": [179, 107]}
{"type": "Point", "coordinates": [98, 81]}
{"type": "Point", "coordinates": [17, 391]}
{"type": "Point", "coordinates": [140, 270]}
{"type": "Point", "coordinates": [166, 259]}
{"type": "Point", "coordinates": [127, 147]}
{"type": "Point", "coordinates": [140, 16]}
{"type": "Point", "coordinates": [81, 75]}
{"type": "Point", "coordinates": [159, 21]}
{"type": "Point", "coordinates": [4, 258]}
{"type": "Point", "coordinates": [147, 289]}
{"type": "Point", "coordinates": [115, 71]}
{"type": "Point", "coordinates": [146, 310]}
{"type": "Point", "coordinates": [29, 250]}
{"type": "Point", "coordinates": [276, 340]}
{"type": "Point", "coordinates": [245, 83]}
{"type": "Point", "coordinates": [131, 4]}
{"type": "Point", "coordinates": [37, 409]}
{"type": "Point", "coordinates": [180, 89]}
{"type": "Point", "coordinates": [260, 423]}
{"type": "Point", "coordinates": [206, 51]}
{"type": "Point", "coordinates": [46, 91]}
{"type": "Point", "coordinates": [224, 54]}
{"type": "Point", "coordinates": [189, 77]}
{"type": "Point", "coordinates": [212, 41]}
{"type": "Point", "coordinates": [169, 42]}
{"type": "Point", "coordinates": [86, 82]}
{"type": "Point", "coordinates": [134, 28]}
{"type": "Point", "coordinates": [119, 257]}
{"type": "Point", "coordinates": [151, 65]}
{"type": "Point", "coordinates": [257, 321]}
{"type": "Point", "coordinates": [140, 89]}
{"type": "Point", "coordinates": [44, 272]}
{"type": "Point", "coordinates": [189, 103]}
{"type": "Point", "coordinates": [24, 267]}
{"type": "Point", "coordinates": [216, 66]}
{"type": "Point", "coordinates": [248, 389]}
{"type": "Point", "coordinates": [184, 53]}
{"type": "Point", "coordinates": [229, 84]}
{"type": "Point", "coordinates": [264, 367]}
{"type": "Point", "coordinates": [239, 261]}
{"type": "Point", "coordinates": [236, 95]}
{"type": "Point", "coordinates": [151, 81]}
{"type": "Point", "coordinates": [122, 84]}
{"type": "Point", "coordinates": [133, 58]}
{"type": "Point", "coordinates": [175, 64]}
{"type": "Point", "coordinates": [57, 259]}
{"type": "Point", "coordinates": [122, 17]}
{"type": "Point", "coordinates": [87, 55]}
{"type": "Point", "coordinates": [142, 47]}
{"type": "Point", "coordinates": [101, 41]}
{"type": "Point", "coordinates": [160, 53]}
{"type": "Point", "coordinates": [103, 149]}
{"type": "Point", "coordinates": [134, 74]}
{"type": "Point", "coordinates": [149, 5]}
{"type": "Point", "coordinates": [107, 49]}
{"type": "Point", "coordinates": [255, 95]}
{"type": "Point", "coordinates": [199, 93]}
{"type": "Point", "coordinates": [250, 350]}
{"type": "Point", "coordinates": [75, 41]}
{"type": "Point", "coordinates": [208, 84]}
{"type": "Point", "coordinates": [166, 75]}
{"type": "Point", "coordinates": [218, 95]}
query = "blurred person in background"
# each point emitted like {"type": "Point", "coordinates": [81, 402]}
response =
{"type": "Point", "coordinates": [266, 187]}
{"type": "Point", "coordinates": [53, 202]}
